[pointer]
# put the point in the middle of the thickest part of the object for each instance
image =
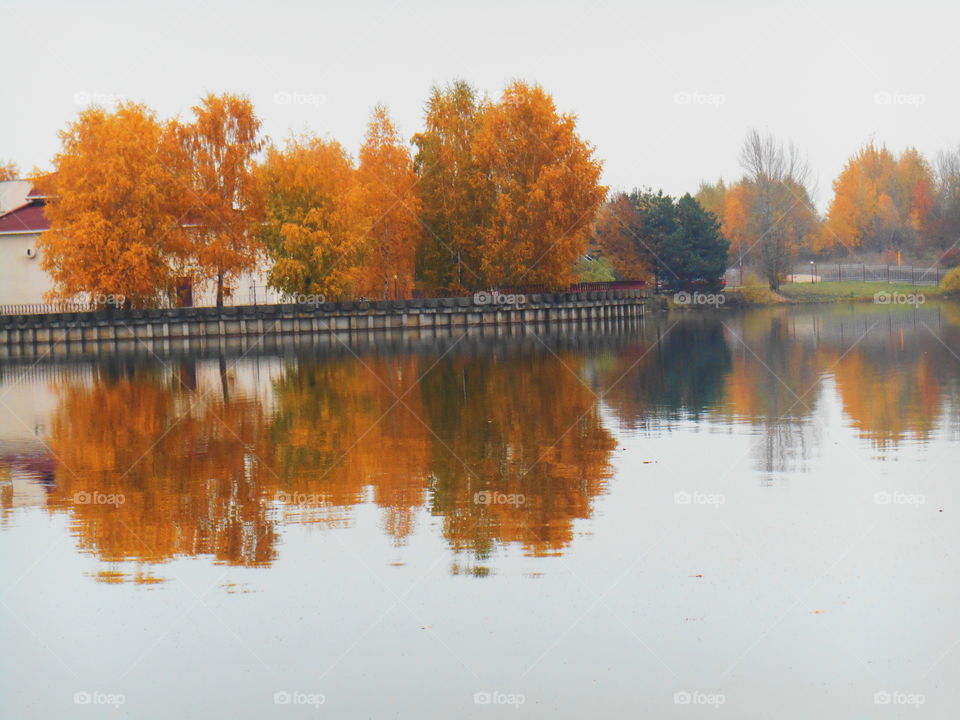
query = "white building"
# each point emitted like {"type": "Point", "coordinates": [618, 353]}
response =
{"type": "Point", "coordinates": [21, 222]}
{"type": "Point", "coordinates": [24, 284]}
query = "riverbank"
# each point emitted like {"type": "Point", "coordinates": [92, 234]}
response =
{"type": "Point", "coordinates": [828, 292]}
{"type": "Point", "coordinates": [66, 333]}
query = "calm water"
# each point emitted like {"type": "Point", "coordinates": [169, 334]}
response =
{"type": "Point", "coordinates": [708, 515]}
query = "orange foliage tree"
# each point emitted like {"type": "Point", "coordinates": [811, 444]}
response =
{"type": "Point", "coordinates": [448, 188]}
{"type": "Point", "coordinates": [388, 184]}
{"type": "Point", "coordinates": [543, 185]}
{"type": "Point", "coordinates": [880, 202]}
{"type": "Point", "coordinates": [115, 206]}
{"type": "Point", "coordinates": [315, 223]}
{"type": "Point", "coordinates": [615, 229]}
{"type": "Point", "coordinates": [9, 171]}
{"type": "Point", "coordinates": [224, 204]}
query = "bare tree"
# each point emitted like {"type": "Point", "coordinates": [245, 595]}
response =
{"type": "Point", "coordinates": [947, 204]}
{"type": "Point", "coordinates": [781, 210]}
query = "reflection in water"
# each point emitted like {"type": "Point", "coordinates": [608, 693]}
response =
{"type": "Point", "coordinates": [505, 441]}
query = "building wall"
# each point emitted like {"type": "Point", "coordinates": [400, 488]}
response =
{"type": "Point", "coordinates": [23, 280]}
{"type": "Point", "coordinates": [13, 194]}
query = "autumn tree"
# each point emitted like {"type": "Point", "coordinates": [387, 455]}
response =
{"type": "Point", "coordinates": [615, 233]}
{"type": "Point", "coordinates": [315, 224]}
{"type": "Point", "coordinates": [223, 200]}
{"type": "Point", "coordinates": [543, 183]}
{"type": "Point", "coordinates": [781, 218]}
{"type": "Point", "coordinates": [114, 208]}
{"type": "Point", "coordinates": [712, 197]}
{"type": "Point", "coordinates": [388, 185]}
{"type": "Point", "coordinates": [449, 191]}
{"type": "Point", "coordinates": [9, 171]}
{"type": "Point", "coordinates": [881, 202]}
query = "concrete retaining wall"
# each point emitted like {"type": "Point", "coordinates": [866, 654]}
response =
{"type": "Point", "coordinates": [29, 335]}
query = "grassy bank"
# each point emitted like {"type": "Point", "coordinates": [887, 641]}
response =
{"type": "Point", "coordinates": [824, 292]}
{"type": "Point", "coordinates": [833, 291]}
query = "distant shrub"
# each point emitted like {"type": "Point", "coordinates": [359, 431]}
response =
{"type": "Point", "coordinates": [951, 258]}
{"type": "Point", "coordinates": [751, 278]}
{"type": "Point", "coordinates": [752, 295]}
{"type": "Point", "coordinates": [951, 282]}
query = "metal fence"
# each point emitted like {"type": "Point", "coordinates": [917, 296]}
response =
{"type": "Point", "coordinates": [851, 272]}
{"type": "Point", "coordinates": [861, 272]}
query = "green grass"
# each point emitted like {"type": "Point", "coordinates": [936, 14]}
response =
{"type": "Point", "coordinates": [832, 291]}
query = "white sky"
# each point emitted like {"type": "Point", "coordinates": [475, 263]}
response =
{"type": "Point", "coordinates": [808, 71]}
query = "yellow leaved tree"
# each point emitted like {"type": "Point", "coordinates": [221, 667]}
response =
{"type": "Point", "coordinates": [542, 183]}
{"type": "Point", "coordinates": [315, 224]}
{"type": "Point", "coordinates": [222, 199]}
{"type": "Point", "coordinates": [388, 184]}
{"type": "Point", "coordinates": [114, 208]}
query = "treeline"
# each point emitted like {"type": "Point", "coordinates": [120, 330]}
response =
{"type": "Point", "coordinates": [885, 205]}
{"type": "Point", "coordinates": [492, 193]}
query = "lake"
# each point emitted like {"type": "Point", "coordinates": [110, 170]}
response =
{"type": "Point", "coordinates": [721, 514]}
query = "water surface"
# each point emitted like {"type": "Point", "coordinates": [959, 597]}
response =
{"type": "Point", "coordinates": [735, 514]}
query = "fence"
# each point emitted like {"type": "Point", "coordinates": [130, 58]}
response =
{"type": "Point", "coordinates": [851, 272]}
{"type": "Point", "coordinates": [572, 288]}
{"type": "Point", "coordinates": [45, 308]}
{"type": "Point", "coordinates": [861, 272]}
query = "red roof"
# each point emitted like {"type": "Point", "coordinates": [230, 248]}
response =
{"type": "Point", "coordinates": [27, 218]}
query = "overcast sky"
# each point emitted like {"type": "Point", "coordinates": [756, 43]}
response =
{"type": "Point", "coordinates": [665, 91]}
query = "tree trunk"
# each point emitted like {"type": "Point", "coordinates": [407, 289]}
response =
{"type": "Point", "coordinates": [219, 289]}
